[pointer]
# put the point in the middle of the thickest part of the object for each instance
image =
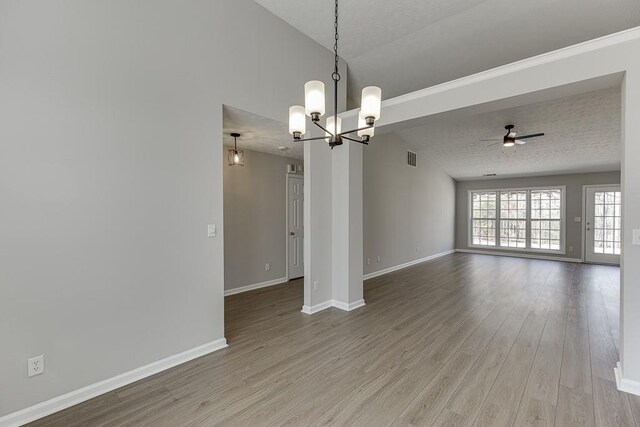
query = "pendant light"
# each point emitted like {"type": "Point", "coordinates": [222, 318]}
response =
{"type": "Point", "coordinates": [314, 107]}
{"type": "Point", "coordinates": [235, 156]}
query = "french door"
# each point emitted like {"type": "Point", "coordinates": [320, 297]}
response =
{"type": "Point", "coordinates": [603, 224]}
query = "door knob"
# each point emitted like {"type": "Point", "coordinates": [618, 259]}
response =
{"type": "Point", "coordinates": [291, 233]}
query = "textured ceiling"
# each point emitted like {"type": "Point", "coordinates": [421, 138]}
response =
{"type": "Point", "coordinates": [407, 45]}
{"type": "Point", "coordinates": [259, 133]}
{"type": "Point", "coordinates": [582, 134]}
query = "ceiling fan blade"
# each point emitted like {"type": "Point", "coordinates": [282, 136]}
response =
{"type": "Point", "coordinates": [520, 142]}
{"type": "Point", "coordinates": [491, 145]}
{"type": "Point", "coordinates": [533, 135]}
{"type": "Point", "coordinates": [488, 140]}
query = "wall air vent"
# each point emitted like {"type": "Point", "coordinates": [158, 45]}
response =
{"type": "Point", "coordinates": [411, 158]}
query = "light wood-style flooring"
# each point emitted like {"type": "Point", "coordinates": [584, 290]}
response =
{"type": "Point", "coordinates": [460, 340]}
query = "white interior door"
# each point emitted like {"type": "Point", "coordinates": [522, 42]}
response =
{"type": "Point", "coordinates": [603, 224]}
{"type": "Point", "coordinates": [295, 232]}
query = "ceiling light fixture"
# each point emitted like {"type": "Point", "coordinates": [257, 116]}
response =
{"type": "Point", "coordinates": [314, 107]}
{"type": "Point", "coordinates": [235, 156]}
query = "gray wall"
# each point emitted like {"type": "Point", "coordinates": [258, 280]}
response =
{"type": "Point", "coordinates": [255, 219]}
{"type": "Point", "coordinates": [111, 168]}
{"type": "Point", "coordinates": [573, 182]}
{"type": "Point", "coordinates": [404, 207]}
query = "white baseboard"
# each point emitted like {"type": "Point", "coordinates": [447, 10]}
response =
{"type": "Point", "coordinates": [241, 289]}
{"type": "Point", "coordinates": [316, 308]}
{"type": "Point", "coordinates": [405, 265]}
{"type": "Point", "coordinates": [332, 303]}
{"type": "Point", "coordinates": [347, 306]}
{"type": "Point", "coordinates": [64, 401]}
{"type": "Point", "coordinates": [625, 384]}
{"type": "Point", "coordinates": [517, 255]}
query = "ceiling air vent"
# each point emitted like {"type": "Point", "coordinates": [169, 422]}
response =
{"type": "Point", "coordinates": [411, 158]}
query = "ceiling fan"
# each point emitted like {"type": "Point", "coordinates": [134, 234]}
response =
{"type": "Point", "coordinates": [511, 138]}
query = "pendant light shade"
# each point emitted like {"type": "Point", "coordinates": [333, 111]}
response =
{"type": "Point", "coordinates": [362, 123]}
{"type": "Point", "coordinates": [235, 157]}
{"type": "Point", "coordinates": [371, 99]}
{"type": "Point", "coordinates": [297, 121]}
{"type": "Point", "coordinates": [314, 98]}
{"type": "Point", "coordinates": [331, 126]}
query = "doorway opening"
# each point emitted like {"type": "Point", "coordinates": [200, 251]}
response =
{"type": "Point", "coordinates": [263, 219]}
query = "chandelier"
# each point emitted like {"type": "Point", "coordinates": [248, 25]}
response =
{"type": "Point", "coordinates": [315, 108]}
{"type": "Point", "coordinates": [235, 156]}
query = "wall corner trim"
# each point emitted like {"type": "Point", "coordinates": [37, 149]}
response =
{"type": "Point", "coordinates": [247, 288]}
{"type": "Point", "coordinates": [406, 264]}
{"type": "Point", "coordinates": [625, 384]}
{"type": "Point", "coordinates": [332, 303]}
{"type": "Point", "coordinates": [306, 309]}
{"type": "Point", "coordinates": [67, 400]}
{"type": "Point", "coordinates": [348, 306]}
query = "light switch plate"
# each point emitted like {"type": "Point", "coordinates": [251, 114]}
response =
{"type": "Point", "coordinates": [636, 236]}
{"type": "Point", "coordinates": [211, 230]}
{"type": "Point", "coordinates": [577, 219]}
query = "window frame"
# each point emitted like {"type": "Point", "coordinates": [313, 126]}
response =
{"type": "Point", "coordinates": [563, 220]}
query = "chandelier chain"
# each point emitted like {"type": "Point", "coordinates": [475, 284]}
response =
{"type": "Point", "coordinates": [336, 75]}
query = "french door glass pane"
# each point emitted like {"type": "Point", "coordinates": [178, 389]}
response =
{"type": "Point", "coordinates": [607, 222]}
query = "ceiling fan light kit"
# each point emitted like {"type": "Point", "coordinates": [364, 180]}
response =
{"type": "Point", "coordinates": [314, 107]}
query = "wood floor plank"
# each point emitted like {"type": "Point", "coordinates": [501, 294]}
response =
{"type": "Point", "coordinates": [534, 412]}
{"type": "Point", "coordinates": [501, 405]}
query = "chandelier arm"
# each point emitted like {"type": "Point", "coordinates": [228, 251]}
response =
{"type": "Point", "coordinates": [355, 140]}
{"type": "Point", "coordinates": [311, 139]}
{"type": "Point", "coordinates": [323, 128]}
{"type": "Point", "coordinates": [354, 130]}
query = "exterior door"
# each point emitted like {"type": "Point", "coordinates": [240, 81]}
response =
{"type": "Point", "coordinates": [295, 231]}
{"type": "Point", "coordinates": [603, 224]}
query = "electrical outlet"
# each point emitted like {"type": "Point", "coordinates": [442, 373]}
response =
{"type": "Point", "coordinates": [417, 248]}
{"type": "Point", "coordinates": [315, 285]}
{"type": "Point", "coordinates": [368, 261]}
{"type": "Point", "coordinates": [570, 248]}
{"type": "Point", "coordinates": [267, 267]}
{"type": "Point", "coordinates": [211, 230]}
{"type": "Point", "coordinates": [35, 366]}
{"type": "Point", "coordinates": [378, 259]}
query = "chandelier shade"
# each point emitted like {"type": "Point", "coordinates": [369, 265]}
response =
{"type": "Point", "coordinates": [371, 100]}
{"type": "Point", "coordinates": [314, 98]}
{"type": "Point", "coordinates": [314, 107]}
{"type": "Point", "coordinates": [297, 120]}
{"type": "Point", "coordinates": [365, 130]}
{"type": "Point", "coordinates": [333, 127]}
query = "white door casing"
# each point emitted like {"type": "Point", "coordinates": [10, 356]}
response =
{"type": "Point", "coordinates": [295, 227]}
{"type": "Point", "coordinates": [603, 223]}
